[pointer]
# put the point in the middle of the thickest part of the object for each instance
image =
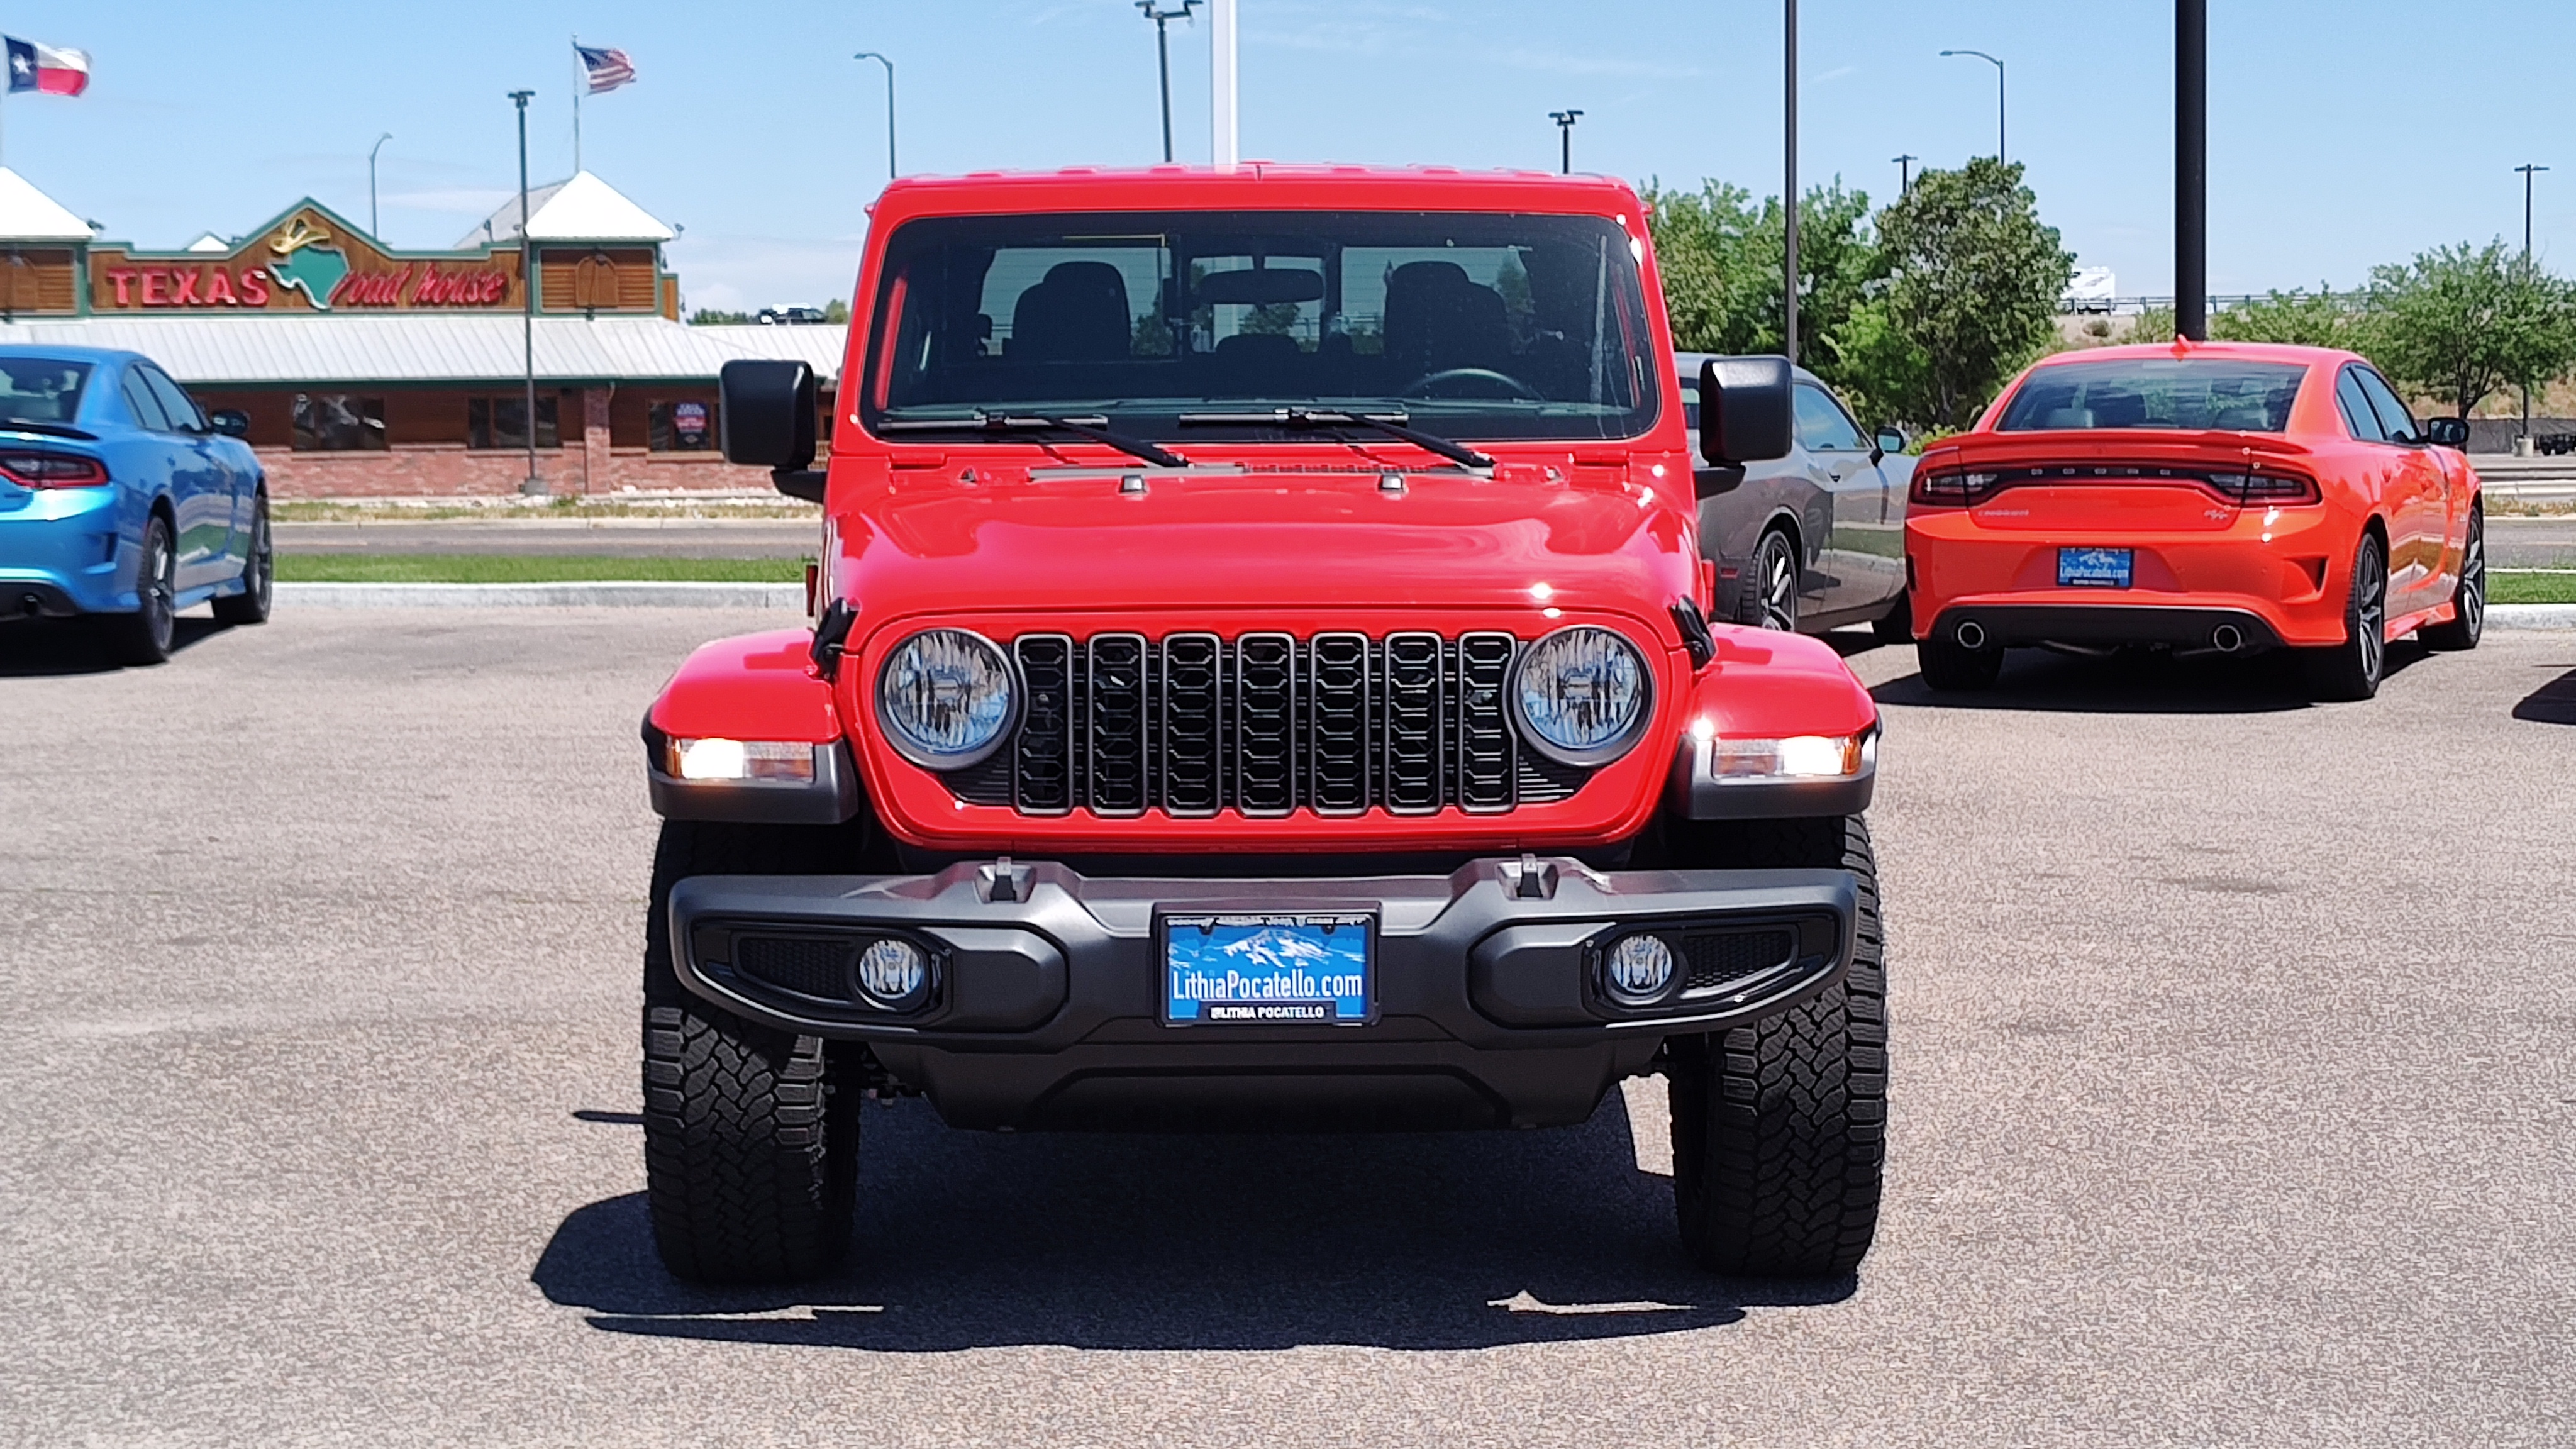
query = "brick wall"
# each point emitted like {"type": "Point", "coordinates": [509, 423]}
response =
{"type": "Point", "coordinates": [423, 470]}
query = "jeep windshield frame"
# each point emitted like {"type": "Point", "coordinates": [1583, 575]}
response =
{"type": "Point", "coordinates": [1222, 326]}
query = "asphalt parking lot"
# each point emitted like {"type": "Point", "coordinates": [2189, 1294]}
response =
{"type": "Point", "coordinates": [2234, 1103]}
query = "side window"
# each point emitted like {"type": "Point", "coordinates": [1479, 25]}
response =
{"type": "Point", "coordinates": [176, 405]}
{"type": "Point", "coordinates": [2355, 407]}
{"type": "Point", "coordinates": [140, 401]}
{"type": "Point", "coordinates": [2393, 417]}
{"type": "Point", "coordinates": [1690, 401]}
{"type": "Point", "coordinates": [1822, 423]}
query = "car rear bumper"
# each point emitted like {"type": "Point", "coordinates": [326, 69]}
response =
{"type": "Point", "coordinates": [59, 547]}
{"type": "Point", "coordinates": [1489, 1011]}
{"type": "Point", "coordinates": [2274, 576]}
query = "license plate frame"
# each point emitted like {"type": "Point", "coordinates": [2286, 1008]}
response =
{"type": "Point", "coordinates": [2092, 567]}
{"type": "Point", "coordinates": [1218, 970]}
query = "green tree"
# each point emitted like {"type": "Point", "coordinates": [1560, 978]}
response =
{"type": "Point", "coordinates": [2306, 319]}
{"type": "Point", "coordinates": [2462, 323]}
{"type": "Point", "coordinates": [836, 311]}
{"type": "Point", "coordinates": [1973, 284]}
{"type": "Point", "coordinates": [1722, 260]}
{"type": "Point", "coordinates": [711, 317]}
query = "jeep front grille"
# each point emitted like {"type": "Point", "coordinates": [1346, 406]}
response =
{"type": "Point", "coordinates": [1265, 724]}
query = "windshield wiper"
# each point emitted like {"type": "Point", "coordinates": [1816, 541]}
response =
{"type": "Point", "coordinates": [1390, 423]}
{"type": "Point", "coordinates": [1095, 428]}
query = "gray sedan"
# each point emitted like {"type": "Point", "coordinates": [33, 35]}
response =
{"type": "Point", "coordinates": [1815, 540]}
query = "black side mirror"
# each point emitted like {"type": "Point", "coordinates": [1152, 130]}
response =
{"type": "Point", "coordinates": [1744, 409]}
{"type": "Point", "coordinates": [2447, 432]}
{"type": "Point", "coordinates": [767, 421]}
{"type": "Point", "coordinates": [231, 422]}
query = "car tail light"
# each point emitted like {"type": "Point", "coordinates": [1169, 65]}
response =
{"type": "Point", "coordinates": [1954, 489]}
{"type": "Point", "coordinates": [53, 470]}
{"type": "Point", "coordinates": [2264, 488]}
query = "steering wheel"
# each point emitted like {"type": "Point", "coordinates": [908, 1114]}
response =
{"type": "Point", "coordinates": [1512, 386]}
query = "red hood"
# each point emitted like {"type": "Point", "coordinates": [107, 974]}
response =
{"type": "Point", "coordinates": [1262, 539]}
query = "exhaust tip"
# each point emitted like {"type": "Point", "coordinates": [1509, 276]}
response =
{"type": "Point", "coordinates": [2226, 638]}
{"type": "Point", "coordinates": [1970, 634]}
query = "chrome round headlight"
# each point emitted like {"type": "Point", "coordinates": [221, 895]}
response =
{"type": "Point", "coordinates": [947, 698]}
{"type": "Point", "coordinates": [1580, 695]}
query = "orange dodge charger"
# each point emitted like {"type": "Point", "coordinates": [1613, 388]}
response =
{"type": "Point", "coordinates": [2211, 496]}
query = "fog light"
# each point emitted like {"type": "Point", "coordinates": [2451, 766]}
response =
{"type": "Point", "coordinates": [723, 759]}
{"type": "Point", "coordinates": [1640, 968]}
{"type": "Point", "coordinates": [892, 972]}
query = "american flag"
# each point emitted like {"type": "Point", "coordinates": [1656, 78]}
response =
{"type": "Point", "coordinates": [608, 69]}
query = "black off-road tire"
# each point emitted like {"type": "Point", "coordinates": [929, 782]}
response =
{"type": "Point", "coordinates": [751, 1137]}
{"type": "Point", "coordinates": [2352, 670]}
{"type": "Point", "coordinates": [147, 635]}
{"type": "Point", "coordinates": [2468, 600]}
{"type": "Point", "coordinates": [1768, 596]}
{"type": "Point", "coordinates": [1950, 667]}
{"type": "Point", "coordinates": [259, 574]}
{"type": "Point", "coordinates": [1780, 1128]}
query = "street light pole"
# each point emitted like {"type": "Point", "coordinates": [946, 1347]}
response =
{"type": "Point", "coordinates": [889, 65]}
{"type": "Point", "coordinates": [2191, 169]}
{"type": "Point", "coordinates": [1999, 95]}
{"type": "Point", "coordinates": [532, 484]}
{"type": "Point", "coordinates": [1789, 191]}
{"type": "Point", "coordinates": [1163, 55]}
{"type": "Point", "coordinates": [1565, 136]}
{"type": "Point", "coordinates": [376, 231]}
{"type": "Point", "coordinates": [1905, 172]}
{"type": "Point", "coordinates": [2528, 171]}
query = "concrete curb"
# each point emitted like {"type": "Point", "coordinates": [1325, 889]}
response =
{"type": "Point", "coordinates": [2530, 616]}
{"type": "Point", "coordinates": [606, 593]}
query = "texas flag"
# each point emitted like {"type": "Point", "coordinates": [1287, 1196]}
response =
{"type": "Point", "coordinates": [34, 67]}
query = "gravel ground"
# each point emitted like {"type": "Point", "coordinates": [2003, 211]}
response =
{"type": "Point", "coordinates": [2234, 1095]}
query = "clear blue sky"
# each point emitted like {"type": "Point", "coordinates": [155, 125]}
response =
{"type": "Point", "coordinates": [2344, 132]}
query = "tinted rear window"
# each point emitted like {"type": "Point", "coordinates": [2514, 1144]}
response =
{"type": "Point", "coordinates": [40, 389]}
{"type": "Point", "coordinates": [2157, 392]}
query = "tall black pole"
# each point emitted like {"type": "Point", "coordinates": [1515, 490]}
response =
{"type": "Point", "coordinates": [1905, 172]}
{"type": "Point", "coordinates": [2191, 169]}
{"type": "Point", "coordinates": [2528, 171]}
{"type": "Point", "coordinates": [532, 484]}
{"type": "Point", "coordinates": [1163, 55]}
{"type": "Point", "coordinates": [1565, 136]}
{"type": "Point", "coordinates": [1789, 197]}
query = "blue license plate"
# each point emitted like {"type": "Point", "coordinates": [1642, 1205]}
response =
{"type": "Point", "coordinates": [1291, 968]}
{"type": "Point", "coordinates": [2094, 568]}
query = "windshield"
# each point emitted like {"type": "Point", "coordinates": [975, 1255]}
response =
{"type": "Point", "coordinates": [2157, 392]}
{"type": "Point", "coordinates": [1181, 326]}
{"type": "Point", "coordinates": [40, 389]}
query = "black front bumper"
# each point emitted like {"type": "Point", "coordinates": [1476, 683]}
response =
{"type": "Point", "coordinates": [1491, 1010]}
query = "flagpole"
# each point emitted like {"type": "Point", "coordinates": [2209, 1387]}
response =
{"type": "Point", "coordinates": [580, 83]}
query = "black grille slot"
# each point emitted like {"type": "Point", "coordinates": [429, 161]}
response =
{"type": "Point", "coordinates": [1414, 782]}
{"type": "Point", "coordinates": [1338, 730]}
{"type": "Point", "coordinates": [1715, 960]}
{"type": "Point", "coordinates": [816, 966]}
{"type": "Point", "coordinates": [1485, 740]}
{"type": "Point", "coordinates": [1193, 772]}
{"type": "Point", "coordinates": [1042, 755]}
{"type": "Point", "coordinates": [1118, 736]}
{"type": "Point", "coordinates": [1266, 724]}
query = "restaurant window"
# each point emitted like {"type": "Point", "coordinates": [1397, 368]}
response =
{"type": "Point", "coordinates": [339, 422]}
{"type": "Point", "coordinates": [684, 426]}
{"type": "Point", "coordinates": [502, 422]}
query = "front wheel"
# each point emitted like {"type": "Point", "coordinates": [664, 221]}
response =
{"type": "Point", "coordinates": [2469, 600]}
{"type": "Point", "coordinates": [258, 577]}
{"type": "Point", "coordinates": [751, 1140]}
{"type": "Point", "coordinates": [1780, 1128]}
{"type": "Point", "coordinates": [1769, 598]}
{"type": "Point", "coordinates": [2352, 670]}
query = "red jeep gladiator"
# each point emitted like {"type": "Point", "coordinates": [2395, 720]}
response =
{"type": "Point", "coordinates": [1261, 678]}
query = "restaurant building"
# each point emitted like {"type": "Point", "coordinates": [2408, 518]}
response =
{"type": "Point", "coordinates": [369, 371]}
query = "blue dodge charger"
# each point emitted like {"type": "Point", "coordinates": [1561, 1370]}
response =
{"type": "Point", "coordinates": [122, 502]}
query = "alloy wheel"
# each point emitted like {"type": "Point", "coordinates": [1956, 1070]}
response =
{"type": "Point", "coordinates": [2473, 578]}
{"type": "Point", "coordinates": [2370, 611]}
{"type": "Point", "coordinates": [160, 587]}
{"type": "Point", "coordinates": [1779, 585]}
